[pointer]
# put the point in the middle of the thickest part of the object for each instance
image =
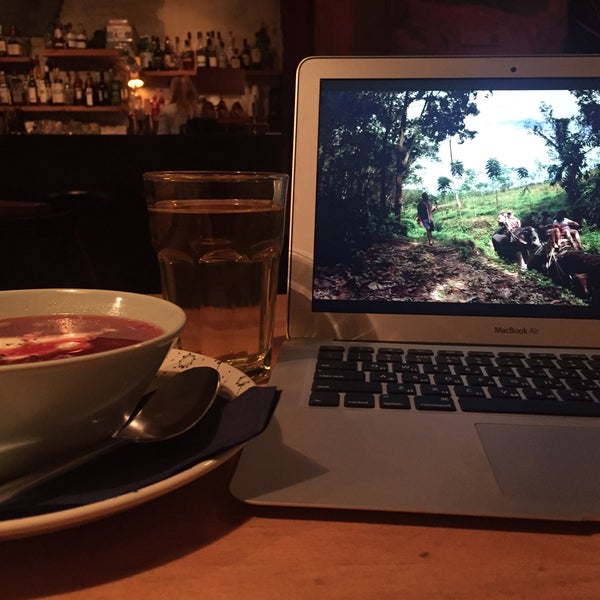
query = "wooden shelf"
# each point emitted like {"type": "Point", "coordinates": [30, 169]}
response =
{"type": "Point", "coordinates": [90, 59]}
{"type": "Point", "coordinates": [16, 60]}
{"type": "Point", "coordinates": [59, 108]}
{"type": "Point", "coordinates": [87, 53]}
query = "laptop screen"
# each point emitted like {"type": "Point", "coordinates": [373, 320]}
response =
{"type": "Point", "coordinates": [459, 194]}
{"type": "Point", "coordinates": [436, 194]}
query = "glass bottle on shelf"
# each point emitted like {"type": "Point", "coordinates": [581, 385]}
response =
{"type": "Point", "coordinates": [158, 58]}
{"type": "Point", "coordinates": [3, 49]}
{"type": "Point", "coordinates": [200, 51]}
{"type": "Point", "coordinates": [236, 61]}
{"type": "Point", "coordinates": [88, 91]}
{"type": "Point", "coordinates": [169, 58]}
{"type": "Point", "coordinates": [70, 39]}
{"type": "Point", "coordinates": [32, 89]}
{"type": "Point", "coordinates": [221, 53]}
{"type": "Point", "coordinates": [115, 89]}
{"type": "Point", "coordinates": [77, 90]}
{"type": "Point", "coordinates": [58, 38]}
{"type": "Point", "coordinates": [14, 46]}
{"type": "Point", "coordinates": [5, 94]}
{"type": "Point", "coordinates": [245, 55]}
{"type": "Point", "coordinates": [102, 91]}
{"type": "Point", "coordinates": [177, 54]}
{"type": "Point", "coordinates": [81, 37]}
{"type": "Point", "coordinates": [211, 51]}
{"type": "Point", "coordinates": [46, 93]}
{"type": "Point", "coordinates": [256, 53]}
{"type": "Point", "coordinates": [187, 59]}
{"type": "Point", "coordinates": [145, 52]}
{"type": "Point", "coordinates": [58, 88]}
{"type": "Point", "coordinates": [68, 89]}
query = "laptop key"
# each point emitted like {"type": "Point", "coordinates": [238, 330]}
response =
{"type": "Point", "coordinates": [435, 390]}
{"type": "Point", "coordinates": [496, 392]}
{"type": "Point", "coordinates": [539, 394]}
{"type": "Point", "coordinates": [324, 399]}
{"type": "Point", "coordinates": [469, 390]}
{"type": "Point", "coordinates": [362, 387]}
{"type": "Point", "coordinates": [530, 407]}
{"type": "Point", "coordinates": [400, 401]}
{"type": "Point", "coordinates": [401, 388]}
{"type": "Point", "coordinates": [347, 365]}
{"type": "Point", "coordinates": [434, 403]}
{"type": "Point", "coordinates": [359, 401]}
{"type": "Point", "coordinates": [332, 374]}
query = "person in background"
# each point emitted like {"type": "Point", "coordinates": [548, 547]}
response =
{"type": "Point", "coordinates": [183, 106]}
{"type": "Point", "coordinates": [425, 216]}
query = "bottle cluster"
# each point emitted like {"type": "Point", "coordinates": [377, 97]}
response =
{"type": "Point", "coordinates": [70, 88]}
{"type": "Point", "coordinates": [14, 45]}
{"type": "Point", "coordinates": [64, 36]}
{"type": "Point", "coordinates": [206, 50]}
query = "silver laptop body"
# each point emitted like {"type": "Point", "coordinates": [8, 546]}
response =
{"type": "Point", "coordinates": [407, 458]}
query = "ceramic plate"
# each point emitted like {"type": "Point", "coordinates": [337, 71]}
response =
{"type": "Point", "coordinates": [233, 383]}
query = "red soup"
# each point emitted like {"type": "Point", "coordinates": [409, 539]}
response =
{"type": "Point", "coordinates": [50, 337]}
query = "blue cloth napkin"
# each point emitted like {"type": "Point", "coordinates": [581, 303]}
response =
{"type": "Point", "coordinates": [131, 467]}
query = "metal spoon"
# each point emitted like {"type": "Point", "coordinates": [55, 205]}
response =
{"type": "Point", "coordinates": [176, 406]}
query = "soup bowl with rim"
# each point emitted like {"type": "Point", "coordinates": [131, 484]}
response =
{"type": "Point", "coordinates": [53, 409]}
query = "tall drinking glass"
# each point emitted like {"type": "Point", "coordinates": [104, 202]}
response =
{"type": "Point", "coordinates": [218, 237]}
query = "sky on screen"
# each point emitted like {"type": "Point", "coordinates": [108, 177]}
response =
{"type": "Point", "coordinates": [501, 135]}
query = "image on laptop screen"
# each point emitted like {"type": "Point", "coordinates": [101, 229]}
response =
{"type": "Point", "coordinates": [457, 196]}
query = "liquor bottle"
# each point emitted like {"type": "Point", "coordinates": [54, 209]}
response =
{"type": "Point", "coordinates": [256, 53]}
{"type": "Point", "coordinates": [211, 51]}
{"type": "Point", "coordinates": [235, 61]}
{"type": "Point", "coordinates": [46, 94]}
{"type": "Point", "coordinates": [81, 37]}
{"type": "Point", "coordinates": [5, 95]}
{"type": "Point", "coordinates": [231, 46]}
{"type": "Point", "coordinates": [158, 57]}
{"type": "Point", "coordinates": [169, 58]}
{"type": "Point", "coordinates": [221, 53]}
{"type": "Point", "coordinates": [88, 91]}
{"type": "Point", "coordinates": [58, 38]}
{"type": "Point", "coordinates": [42, 93]}
{"type": "Point", "coordinates": [58, 88]}
{"type": "Point", "coordinates": [14, 47]}
{"type": "Point", "coordinates": [177, 54]}
{"type": "Point", "coordinates": [115, 89]}
{"type": "Point", "coordinates": [68, 89]}
{"type": "Point", "coordinates": [3, 49]}
{"type": "Point", "coordinates": [77, 90]}
{"type": "Point", "coordinates": [32, 90]}
{"type": "Point", "coordinates": [245, 55]}
{"type": "Point", "coordinates": [145, 52]}
{"type": "Point", "coordinates": [187, 59]}
{"type": "Point", "coordinates": [200, 51]}
{"type": "Point", "coordinates": [102, 96]}
{"type": "Point", "coordinates": [70, 38]}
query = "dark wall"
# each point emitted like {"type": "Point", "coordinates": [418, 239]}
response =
{"type": "Point", "coordinates": [111, 221]}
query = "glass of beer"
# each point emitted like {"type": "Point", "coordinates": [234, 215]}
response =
{"type": "Point", "coordinates": [218, 237]}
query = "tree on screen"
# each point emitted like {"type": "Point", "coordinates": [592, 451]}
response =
{"type": "Point", "coordinates": [370, 142]}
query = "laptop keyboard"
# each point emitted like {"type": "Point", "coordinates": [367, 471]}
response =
{"type": "Point", "coordinates": [541, 383]}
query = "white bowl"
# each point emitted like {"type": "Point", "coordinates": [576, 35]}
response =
{"type": "Point", "coordinates": [53, 409]}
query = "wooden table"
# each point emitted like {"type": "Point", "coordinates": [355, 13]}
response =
{"type": "Point", "coordinates": [200, 542]}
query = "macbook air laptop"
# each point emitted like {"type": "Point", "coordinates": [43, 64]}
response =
{"type": "Point", "coordinates": [443, 321]}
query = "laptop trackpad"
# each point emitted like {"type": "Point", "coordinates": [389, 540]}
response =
{"type": "Point", "coordinates": [553, 465]}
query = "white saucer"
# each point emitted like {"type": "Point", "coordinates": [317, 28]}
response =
{"type": "Point", "coordinates": [233, 383]}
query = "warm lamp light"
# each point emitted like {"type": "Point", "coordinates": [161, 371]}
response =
{"type": "Point", "coordinates": [135, 83]}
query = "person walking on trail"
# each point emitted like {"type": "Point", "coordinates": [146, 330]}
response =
{"type": "Point", "coordinates": [425, 216]}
